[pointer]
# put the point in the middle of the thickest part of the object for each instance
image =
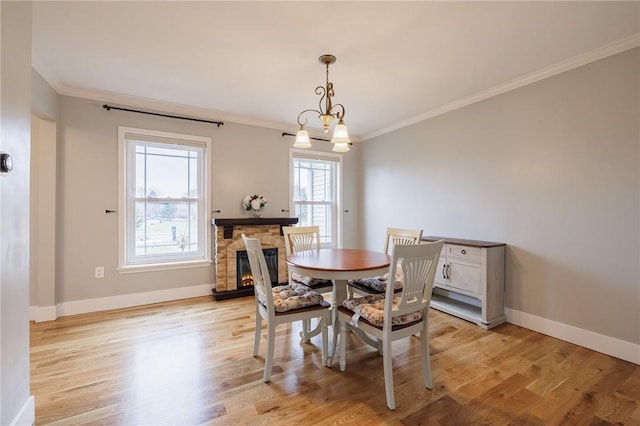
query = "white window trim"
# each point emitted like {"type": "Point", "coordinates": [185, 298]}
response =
{"type": "Point", "coordinates": [320, 155]}
{"type": "Point", "coordinates": [123, 268]}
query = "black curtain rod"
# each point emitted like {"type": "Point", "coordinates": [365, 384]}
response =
{"type": "Point", "coordinates": [109, 107]}
{"type": "Point", "coordinates": [311, 137]}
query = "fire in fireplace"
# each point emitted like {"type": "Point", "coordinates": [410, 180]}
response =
{"type": "Point", "coordinates": [243, 269]}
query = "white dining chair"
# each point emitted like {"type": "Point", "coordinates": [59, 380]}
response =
{"type": "Point", "coordinates": [300, 238]}
{"type": "Point", "coordinates": [281, 304]}
{"type": "Point", "coordinates": [378, 285]}
{"type": "Point", "coordinates": [392, 316]}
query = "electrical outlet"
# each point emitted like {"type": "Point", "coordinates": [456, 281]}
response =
{"type": "Point", "coordinates": [99, 271]}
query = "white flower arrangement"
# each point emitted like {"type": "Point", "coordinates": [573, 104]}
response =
{"type": "Point", "coordinates": [254, 202]}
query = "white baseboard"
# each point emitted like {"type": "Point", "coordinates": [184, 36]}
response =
{"type": "Point", "coordinates": [27, 414]}
{"type": "Point", "coordinates": [43, 313]}
{"type": "Point", "coordinates": [117, 302]}
{"type": "Point", "coordinates": [598, 342]}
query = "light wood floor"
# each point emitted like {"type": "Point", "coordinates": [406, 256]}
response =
{"type": "Point", "coordinates": [189, 362]}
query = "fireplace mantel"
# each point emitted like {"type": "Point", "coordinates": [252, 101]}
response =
{"type": "Point", "coordinates": [228, 224]}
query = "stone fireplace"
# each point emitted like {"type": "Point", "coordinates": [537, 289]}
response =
{"type": "Point", "coordinates": [228, 241]}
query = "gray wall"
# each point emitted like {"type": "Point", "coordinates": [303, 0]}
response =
{"type": "Point", "coordinates": [245, 159]}
{"type": "Point", "coordinates": [551, 169]}
{"type": "Point", "coordinates": [15, 111]}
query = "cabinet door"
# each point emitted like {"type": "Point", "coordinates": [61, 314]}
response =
{"type": "Point", "coordinates": [440, 279]}
{"type": "Point", "coordinates": [464, 276]}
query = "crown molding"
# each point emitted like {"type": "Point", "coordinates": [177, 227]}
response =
{"type": "Point", "coordinates": [558, 68]}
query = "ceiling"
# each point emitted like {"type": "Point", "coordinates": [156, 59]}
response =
{"type": "Point", "coordinates": [256, 62]}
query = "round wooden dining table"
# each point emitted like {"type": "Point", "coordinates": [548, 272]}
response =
{"type": "Point", "coordinates": [342, 264]}
{"type": "Point", "coordinates": [339, 265]}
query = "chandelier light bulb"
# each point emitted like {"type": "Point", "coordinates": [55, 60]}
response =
{"type": "Point", "coordinates": [340, 147]}
{"type": "Point", "coordinates": [302, 139]}
{"type": "Point", "coordinates": [340, 133]}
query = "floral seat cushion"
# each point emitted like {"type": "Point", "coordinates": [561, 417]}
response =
{"type": "Point", "coordinates": [310, 282]}
{"type": "Point", "coordinates": [294, 296]}
{"type": "Point", "coordinates": [371, 308]}
{"type": "Point", "coordinates": [379, 283]}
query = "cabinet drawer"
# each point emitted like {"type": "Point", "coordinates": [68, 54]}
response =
{"type": "Point", "coordinates": [469, 254]}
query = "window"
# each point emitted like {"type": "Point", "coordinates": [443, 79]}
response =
{"type": "Point", "coordinates": [164, 198]}
{"type": "Point", "coordinates": [315, 193]}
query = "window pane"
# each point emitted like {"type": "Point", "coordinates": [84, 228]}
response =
{"type": "Point", "coordinates": [193, 176]}
{"type": "Point", "coordinates": [141, 171]}
{"type": "Point", "coordinates": [302, 213]}
{"type": "Point", "coordinates": [166, 172]}
{"type": "Point", "coordinates": [313, 180]}
{"type": "Point", "coordinates": [317, 214]}
{"type": "Point", "coordinates": [164, 228]}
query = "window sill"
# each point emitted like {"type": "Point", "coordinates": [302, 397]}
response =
{"type": "Point", "coordinates": [133, 269]}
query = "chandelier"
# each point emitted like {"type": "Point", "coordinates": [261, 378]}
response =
{"type": "Point", "coordinates": [340, 139]}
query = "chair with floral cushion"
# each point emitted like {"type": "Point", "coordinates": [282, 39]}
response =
{"type": "Point", "coordinates": [300, 238]}
{"type": "Point", "coordinates": [396, 315]}
{"type": "Point", "coordinates": [378, 285]}
{"type": "Point", "coordinates": [281, 304]}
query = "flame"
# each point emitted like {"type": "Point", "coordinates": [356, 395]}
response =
{"type": "Point", "coordinates": [246, 280]}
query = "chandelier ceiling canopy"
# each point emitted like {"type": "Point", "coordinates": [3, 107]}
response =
{"type": "Point", "coordinates": [326, 111]}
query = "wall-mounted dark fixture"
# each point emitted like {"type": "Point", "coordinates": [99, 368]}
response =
{"type": "Point", "coordinates": [6, 163]}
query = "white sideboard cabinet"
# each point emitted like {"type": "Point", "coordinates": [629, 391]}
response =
{"type": "Point", "coordinates": [469, 281]}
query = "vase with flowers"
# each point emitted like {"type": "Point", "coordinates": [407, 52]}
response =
{"type": "Point", "coordinates": [254, 203]}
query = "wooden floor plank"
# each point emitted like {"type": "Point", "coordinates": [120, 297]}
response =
{"type": "Point", "coordinates": [189, 362]}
